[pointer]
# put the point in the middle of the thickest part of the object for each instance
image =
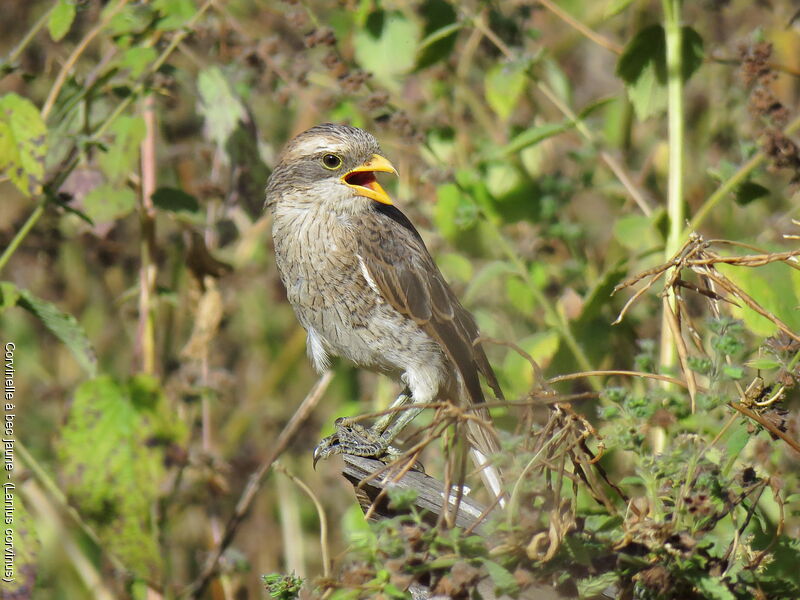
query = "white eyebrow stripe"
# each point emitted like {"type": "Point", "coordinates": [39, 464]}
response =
{"type": "Point", "coordinates": [313, 146]}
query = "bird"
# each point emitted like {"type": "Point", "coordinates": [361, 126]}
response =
{"type": "Point", "coordinates": [365, 288]}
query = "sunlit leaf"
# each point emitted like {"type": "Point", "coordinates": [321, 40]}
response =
{"type": "Point", "coordinates": [520, 295]}
{"type": "Point", "coordinates": [219, 105]}
{"type": "Point", "coordinates": [454, 266]}
{"type": "Point", "coordinates": [61, 18]}
{"type": "Point", "coordinates": [9, 295]}
{"type": "Point", "coordinates": [763, 364]}
{"type": "Point", "coordinates": [504, 85]}
{"type": "Point", "coordinates": [122, 152]}
{"type": "Point", "coordinates": [643, 67]}
{"type": "Point", "coordinates": [518, 372]}
{"type": "Point", "coordinates": [107, 203]}
{"type": "Point", "coordinates": [714, 588]}
{"type": "Point", "coordinates": [137, 59]}
{"type": "Point", "coordinates": [775, 287]}
{"type": "Point", "coordinates": [637, 233]}
{"type": "Point", "coordinates": [23, 143]}
{"type": "Point", "coordinates": [614, 7]}
{"type": "Point", "coordinates": [112, 466]}
{"type": "Point", "coordinates": [387, 46]}
{"type": "Point", "coordinates": [174, 13]}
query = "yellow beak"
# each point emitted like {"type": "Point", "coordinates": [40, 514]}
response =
{"type": "Point", "coordinates": [362, 179]}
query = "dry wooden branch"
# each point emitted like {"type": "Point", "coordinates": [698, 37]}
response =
{"type": "Point", "coordinates": [360, 471]}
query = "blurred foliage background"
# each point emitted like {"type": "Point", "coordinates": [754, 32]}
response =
{"type": "Point", "coordinates": [156, 358]}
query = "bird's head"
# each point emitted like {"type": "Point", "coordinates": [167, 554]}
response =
{"type": "Point", "coordinates": [330, 164]}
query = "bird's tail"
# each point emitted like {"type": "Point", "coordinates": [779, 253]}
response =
{"type": "Point", "coordinates": [485, 445]}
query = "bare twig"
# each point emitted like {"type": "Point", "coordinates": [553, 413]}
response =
{"type": "Point", "coordinates": [323, 521]}
{"type": "Point", "coordinates": [583, 29]}
{"type": "Point", "coordinates": [195, 589]}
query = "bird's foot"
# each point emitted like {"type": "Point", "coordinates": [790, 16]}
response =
{"type": "Point", "coordinates": [353, 438]}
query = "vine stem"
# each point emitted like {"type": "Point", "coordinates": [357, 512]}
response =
{"type": "Point", "coordinates": [61, 78]}
{"type": "Point", "coordinates": [729, 185]}
{"type": "Point", "coordinates": [22, 233]}
{"type": "Point", "coordinates": [19, 48]}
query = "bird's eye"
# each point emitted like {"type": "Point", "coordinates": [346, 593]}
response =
{"type": "Point", "coordinates": [331, 161]}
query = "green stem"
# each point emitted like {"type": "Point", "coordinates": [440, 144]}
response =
{"type": "Point", "coordinates": [675, 116]}
{"type": "Point", "coordinates": [24, 230]}
{"type": "Point", "coordinates": [19, 48]}
{"type": "Point", "coordinates": [675, 204]}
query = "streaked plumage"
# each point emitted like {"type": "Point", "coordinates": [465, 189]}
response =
{"type": "Point", "coordinates": [361, 280]}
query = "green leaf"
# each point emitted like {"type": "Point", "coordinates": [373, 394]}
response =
{"type": "Point", "coordinates": [692, 52]}
{"type": "Point", "coordinates": [647, 49]}
{"type": "Point", "coordinates": [134, 18]}
{"type": "Point", "coordinates": [736, 442]}
{"type": "Point", "coordinates": [591, 587]}
{"type": "Point", "coordinates": [122, 153]}
{"type": "Point", "coordinates": [456, 267]}
{"type": "Point", "coordinates": [502, 179]}
{"type": "Point", "coordinates": [387, 46]}
{"type": "Point", "coordinates": [520, 295]}
{"type": "Point", "coordinates": [107, 203]}
{"type": "Point", "coordinates": [440, 29]}
{"type": "Point", "coordinates": [174, 13]}
{"type": "Point", "coordinates": [531, 137]}
{"type": "Point", "coordinates": [504, 85]}
{"type": "Point", "coordinates": [714, 588]}
{"type": "Point", "coordinates": [219, 106]}
{"type": "Point", "coordinates": [61, 18]}
{"type": "Point", "coordinates": [112, 457]}
{"type": "Point", "coordinates": [175, 200]}
{"type": "Point", "coordinates": [402, 499]}
{"type": "Point", "coordinates": [63, 325]}
{"type": "Point", "coordinates": [503, 580]}
{"type": "Point", "coordinates": [516, 369]}
{"type": "Point", "coordinates": [775, 287]}
{"type": "Point", "coordinates": [647, 94]}
{"type": "Point", "coordinates": [454, 212]}
{"type": "Point", "coordinates": [637, 233]}
{"type": "Point", "coordinates": [763, 364]}
{"type": "Point", "coordinates": [138, 59]}
{"type": "Point", "coordinates": [614, 7]}
{"type": "Point", "coordinates": [9, 295]}
{"type": "Point", "coordinates": [733, 371]}
{"type": "Point", "coordinates": [23, 143]}
{"type": "Point", "coordinates": [643, 67]}
{"type": "Point", "coordinates": [749, 191]}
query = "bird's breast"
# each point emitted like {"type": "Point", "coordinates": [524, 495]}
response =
{"type": "Point", "coordinates": [317, 256]}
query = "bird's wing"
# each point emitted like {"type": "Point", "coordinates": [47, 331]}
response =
{"type": "Point", "coordinates": [402, 269]}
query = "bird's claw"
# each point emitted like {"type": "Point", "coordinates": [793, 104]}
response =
{"type": "Point", "coordinates": [353, 438]}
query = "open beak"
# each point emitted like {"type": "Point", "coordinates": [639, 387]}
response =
{"type": "Point", "coordinates": [362, 179]}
